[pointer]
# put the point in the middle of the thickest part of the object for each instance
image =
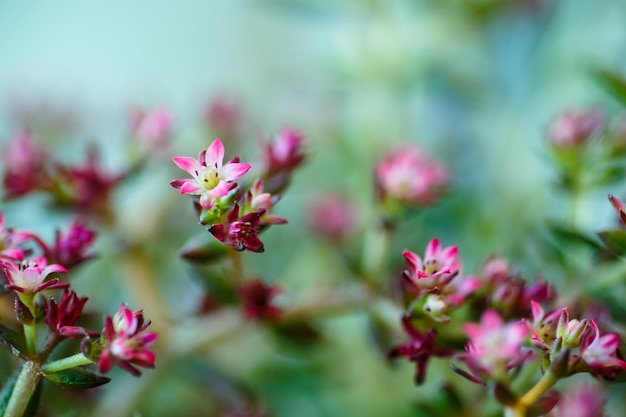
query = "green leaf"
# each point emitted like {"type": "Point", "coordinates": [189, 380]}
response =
{"type": "Point", "coordinates": [77, 378]}
{"type": "Point", "coordinates": [615, 240]}
{"type": "Point", "coordinates": [612, 82]}
{"type": "Point", "coordinates": [11, 340]}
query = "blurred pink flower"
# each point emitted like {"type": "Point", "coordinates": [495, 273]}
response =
{"type": "Point", "coordinates": [151, 128]}
{"type": "Point", "coordinates": [258, 200]}
{"type": "Point", "coordinates": [581, 401]}
{"type": "Point", "coordinates": [284, 154]}
{"type": "Point", "coordinates": [573, 127]}
{"type": "Point", "coordinates": [495, 346]}
{"type": "Point", "coordinates": [410, 177]}
{"type": "Point", "coordinates": [257, 298]}
{"type": "Point", "coordinates": [71, 248]}
{"type": "Point", "coordinates": [333, 217]}
{"type": "Point", "coordinates": [599, 352]}
{"type": "Point", "coordinates": [223, 116]}
{"type": "Point", "coordinates": [25, 163]}
{"type": "Point", "coordinates": [211, 178]}
{"type": "Point", "coordinates": [11, 239]}
{"type": "Point", "coordinates": [126, 342]}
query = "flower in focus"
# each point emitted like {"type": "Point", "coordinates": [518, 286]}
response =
{"type": "Point", "coordinates": [70, 248]}
{"type": "Point", "coordinates": [239, 233]}
{"type": "Point", "coordinates": [419, 349]}
{"type": "Point", "coordinates": [30, 277]}
{"type": "Point", "coordinates": [284, 154]}
{"type": "Point", "coordinates": [257, 298]}
{"type": "Point", "coordinates": [211, 178]}
{"type": "Point", "coordinates": [24, 166]}
{"type": "Point", "coordinates": [599, 352]}
{"type": "Point", "coordinates": [61, 317]}
{"type": "Point", "coordinates": [494, 346]}
{"type": "Point", "coordinates": [410, 177]}
{"type": "Point", "coordinates": [152, 128]}
{"type": "Point", "coordinates": [126, 342]}
{"type": "Point", "coordinates": [572, 128]}
{"type": "Point", "coordinates": [438, 267]}
{"type": "Point", "coordinates": [333, 217]}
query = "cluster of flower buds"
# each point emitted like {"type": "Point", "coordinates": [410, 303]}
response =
{"type": "Point", "coordinates": [29, 167]}
{"type": "Point", "coordinates": [32, 271]}
{"type": "Point", "coordinates": [233, 214]}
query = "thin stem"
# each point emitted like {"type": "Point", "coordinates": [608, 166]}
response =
{"type": "Point", "coordinates": [30, 334]}
{"type": "Point", "coordinates": [375, 251]}
{"type": "Point", "coordinates": [237, 266]}
{"type": "Point", "coordinates": [73, 361]}
{"type": "Point", "coordinates": [546, 382]}
{"type": "Point", "coordinates": [26, 383]}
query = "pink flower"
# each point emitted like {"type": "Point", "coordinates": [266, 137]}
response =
{"type": "Point", "coordinates": [152, 128]}
{"type": "Point", "coordinates": [126, 342]}
{"type": "Point", "coordinates": [61, 317]}
{"type": "Point", "coordinates": [258, 201]}
{"type": "Point", "coordinates": [70, 248]}
{"type": "Point", "coordinates": [574, 127]}
{"type": "Point", "coordinates": [599, 352]}
{"type": "Point", "coordinates": [88, 187]}
{"type": "Point", "coordinates": [223, 116]}
{"type": "Point", "coordinates": [257, 298]}
{"type": "Point", "coordinates": [24, 166]}
{"type": "Point", "coordinates": [495, 346]}
{"type": "Point", "coordinates": [10, 239]}
{"type": "Point", "coordinates": [284, 154]}
{"type": "Point", "coordinates": [211, 178]}
{"type": "Point", "coordinates": [581, 401]}
{"type": "Point", "coordinates": [419, 349]}
{"type": "Point", "coordinates": [618, 205]}
{"type": "Point", "coordinates": [410, 177]}
{"type": "Point", "coordinates": [239, 233]}
{"type": "Point", "coordinates": [30, 277]}
{"type": "Point", "coordinates": [437, 269]}
{"type": "Point", "coordinates": [333, 217]}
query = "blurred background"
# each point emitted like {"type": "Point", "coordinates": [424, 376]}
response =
{"type": "Point", "coordinates": [474, 82]}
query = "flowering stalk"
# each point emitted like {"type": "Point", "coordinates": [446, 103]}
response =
{"type": "Point", "coordinates": [78, 359]}
{"type": "Point", "coordinates": [520, 408]}
{"type": "Point", "coordinates": [25, 386]}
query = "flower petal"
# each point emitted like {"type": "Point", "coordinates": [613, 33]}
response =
{"type": "Point", "coordinates": [214, 156]}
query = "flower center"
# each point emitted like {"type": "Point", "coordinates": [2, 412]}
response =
{"type": "Point", "coordinates": [431, 266]}
{"type": "Point", "coordinates": [209, 178]}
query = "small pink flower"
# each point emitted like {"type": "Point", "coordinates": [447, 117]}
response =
{"type": "Point", "coordinates": [126, 342]}
{"type": "Point", "coordinates": [257, 201]}
{"type": "Point", "coordinates": [211, 178]}
{"type": "Point", "coordinates": [599, 352]}
{"type": "Point", "coordinates": [24, 166]}
{"type": "Point", "coordinates": [437, 269]}
{"type": "Point", "coordinates": [574, 127]}
{"type": "Point", "coordinates": [284, 154]}
{"type": "Point", "coordinates": [151, 128]}
{"type": "Point", "coordinates": [30, 277]}
{"type": "Point", "coordinates": [618, 205]}
{"type": "Point", "coordinates": [495, 346]}
{"type": "Point", "coordinates": [71, 248]}
{"type": "Point", "coordinates": [410, 177]}
{"type": "Point", "coordinates": [239, 233]}
{"type": "Point", "coordinates": [223, 116]}
{"type": "Point", "coordinates": [11, 239]}
{"type": "Point", "coordinates": [257, 300]}
{"type": "Point", "coordinates": [419, 349]}
{"type": "Point", "coordinates": [581, 401]}
{"type": "Point", "coordinates": [61, 317]}
{"type": "Point", "coordinates": [333, 217]}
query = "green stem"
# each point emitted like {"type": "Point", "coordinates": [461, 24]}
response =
{"type": "Point", "coordinates": [520, 409]}
{"type": "Point", "coordinates": [30, 334]}
{"type": "Point", "coordinates": [375, 250]}
{"type": "Point", "coordinates": [237, 266]}
{"type": "Point", "coordinates": [26, 383]}
{"type": "Point", "coordinates": [66, 363]}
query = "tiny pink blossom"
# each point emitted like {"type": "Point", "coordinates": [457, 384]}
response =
{"type": "Point", "coordinates": [438, 268]}
{"type": "Point", "coordinates": [495, 345]}
{"type": "Point", "coordinates": [410, 177]}
{"type": "Point", "coordinates": [333, 217]}
{"type": "Point", "coordinates": [258, 200]}
{"type": "Point", "coordinates": [572, 128]}
{"type": "Point", "coordinates": [24, 166]}
{"type": "Point", "coordinates": [211, 177]}
{"type": "Point", "coordinates": [151, 128]}
{"type": "Point", "coordinates": [284, 154]}
{"type": "Point", "coordinates": [599, 352]}
{"type": "Point", "coordinates": [11, 239]}
{"type": "Point", "coordinates": [61, 317]}
{"type": "Point", "coordinates": [126, 342]}
{"type": "Point", "coordinates": [581, 401]}
{"type": "Point", "coordinates": [30, 277]}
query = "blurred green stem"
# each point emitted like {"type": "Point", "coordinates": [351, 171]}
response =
{"type": "Point", "coordinates": [520, 409]}
{"type": "Point", "coordinates": [25, 386]}
{"type": "Point", "coordinates": [375, 251]}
